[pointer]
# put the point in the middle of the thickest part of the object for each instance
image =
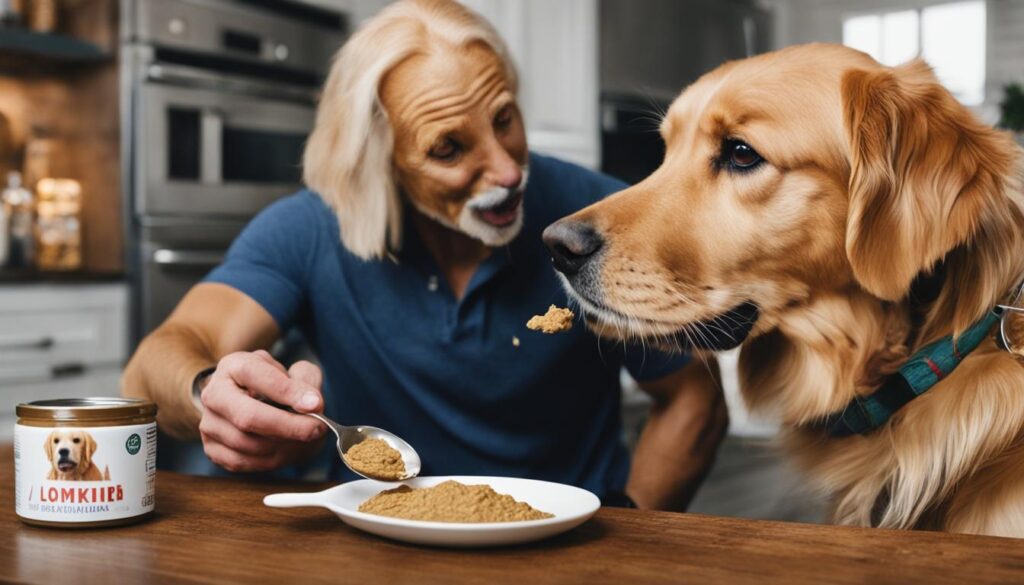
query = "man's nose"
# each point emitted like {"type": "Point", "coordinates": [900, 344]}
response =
{"type": "Point", "coordinates": [505, 171]}
{"type": "Point", "coordinates": [572, 244]}
{"type": "Point", "coordinates": [63, 452]}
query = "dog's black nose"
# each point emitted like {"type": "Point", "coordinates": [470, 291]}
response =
{"type": "Point", "coordinates": [63, 452]}
{"type": "Point", "coordinates": [572, 244]}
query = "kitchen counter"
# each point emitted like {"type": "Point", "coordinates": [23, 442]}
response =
{"type": "Point", "coordinates": [217, 530]}
{"type": "Point", "coordinates": [20, 276]}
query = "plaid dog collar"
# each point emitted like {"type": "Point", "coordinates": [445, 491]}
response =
{"type": "Point", "coordinates": [923, 370]}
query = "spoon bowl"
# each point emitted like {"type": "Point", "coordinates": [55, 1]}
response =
{"type": "Point", "coordinates": [349, 436]}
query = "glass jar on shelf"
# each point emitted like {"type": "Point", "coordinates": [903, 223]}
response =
{"type": "Point", "coordinates": [20, 207]}
{"type": "Point", "coordinates": [42, 15]}
{"type": "Point", "coordinates": [58, 224]}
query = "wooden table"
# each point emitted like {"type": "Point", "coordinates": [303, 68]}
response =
{"type": "Point", "coordinates": [217, 530]}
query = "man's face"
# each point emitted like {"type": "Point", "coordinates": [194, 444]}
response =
{"type": "Point", "coordinates": [460, 148]}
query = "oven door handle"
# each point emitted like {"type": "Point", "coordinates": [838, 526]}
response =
{"type": "Point", "coordinates": [212, 135]}
{"type": "Point", "coordinates": [166, 257]}
{"type": "Point", "coordinates": [40, 373]}
{"type": "Point", "coordinates": [40, 343]}
{"type": "Point", "coordinates": [191, 77]}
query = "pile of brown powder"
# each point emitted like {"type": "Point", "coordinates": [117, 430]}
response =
{"type": "Point", "coordinates": [375, 458]}
{"type": "Point", "coordinates": [555, 320]}
{"type": "Point", "coordinates": [450, 501]}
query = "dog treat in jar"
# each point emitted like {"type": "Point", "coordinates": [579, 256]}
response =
{"type": "Point", "coordinates": [85, 462]}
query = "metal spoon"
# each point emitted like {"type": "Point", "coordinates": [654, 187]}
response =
{"type": "Point", "coordinates": [349, 436]}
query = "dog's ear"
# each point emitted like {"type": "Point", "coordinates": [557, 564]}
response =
{"type": "Point", "coordinates": [924, 174]}
{"type": "Point", "coordinates": [88, 449]}
{"type": "Point", "coordinates": [48, 446]}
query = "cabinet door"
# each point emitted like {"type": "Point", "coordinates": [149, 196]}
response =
{"type": "Point", "coordinates": [43, 326]}
{"type": "Point", "coordinates": [41, 383]}
{"type": "Point", "coordinates": [554, 45]}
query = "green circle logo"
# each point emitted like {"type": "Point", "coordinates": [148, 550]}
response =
{"type": "Point", "coordinates": [133, 444]}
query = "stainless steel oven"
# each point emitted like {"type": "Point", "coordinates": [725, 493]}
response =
{"type": "Point", "coordinates": [218, 97]}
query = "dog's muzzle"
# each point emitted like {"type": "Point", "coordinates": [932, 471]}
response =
{"type": "Point", "coordinates": [722, 332]}
{"type": "Point", "coordinates": [575, 252]}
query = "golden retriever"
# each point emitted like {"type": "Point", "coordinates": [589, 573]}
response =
{"type": "Point", "coordinates": [834, 215]}
{"type": "Point", "coordinates": [70, 455]}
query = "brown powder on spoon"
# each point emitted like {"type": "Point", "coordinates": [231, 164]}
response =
{"type": "Point", "coordinates": [375, 458]}
{"type": "Point", "coordinates": [555, 320]}
{"type": "Point", "coordinates": [451, 501]}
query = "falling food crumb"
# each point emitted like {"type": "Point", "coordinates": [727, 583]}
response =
{"type": "Point", "coordinates": [515, 341]}
{"type": "Point", "coordinates": [555, 320]}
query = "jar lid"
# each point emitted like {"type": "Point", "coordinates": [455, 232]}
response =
{"type": "Point", "coordinates": [86, 409]}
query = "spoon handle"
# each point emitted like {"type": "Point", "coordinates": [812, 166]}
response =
{"type": "Point", "coordinates": [338, 429]}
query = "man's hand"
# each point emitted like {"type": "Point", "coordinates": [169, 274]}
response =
{"type": "Point", "coordinates": [241, 432]}
{"type": "Point", "coordinates": [687, 422]}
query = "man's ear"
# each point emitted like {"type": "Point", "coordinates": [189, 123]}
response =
{"type": "Point", "coordinates": [923, 174]}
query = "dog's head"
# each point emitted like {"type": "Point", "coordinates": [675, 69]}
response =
{"type": "Point", "coordinates": [70, 452]}
{"type": "Point", "coordinates": [807, 170]}
{"type": "Point", "coordinates": [420, 105]}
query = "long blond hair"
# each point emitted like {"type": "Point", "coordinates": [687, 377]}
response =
{"type": "Point", "coordinates": [348, 159]}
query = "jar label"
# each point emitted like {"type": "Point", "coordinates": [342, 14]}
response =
{"type": "Point", "coordinates": [91, 474]}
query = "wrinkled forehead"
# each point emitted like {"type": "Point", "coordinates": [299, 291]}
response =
{"type": "Point", "coordinates": [443, 78]}
{"type": "Point", "coordinates": [787, 105]}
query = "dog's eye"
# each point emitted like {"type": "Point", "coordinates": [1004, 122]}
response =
{"type": "Point", "coordinates": [739, 155]}
{"type": "Point", "coordinates": [76, 441]}
{"type": "Point", "coordinates": [446, 151]}
{"type": "Point", "coordinates": [55, 441]}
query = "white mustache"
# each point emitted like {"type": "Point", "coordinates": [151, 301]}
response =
{"type": "Point", "coordinates": [497, 195]}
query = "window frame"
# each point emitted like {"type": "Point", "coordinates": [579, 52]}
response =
{"type": "Point", "coordinates": [919, 7]}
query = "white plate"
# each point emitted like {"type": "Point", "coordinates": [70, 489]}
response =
{"type": "Point", "coordinates": [570, 505]}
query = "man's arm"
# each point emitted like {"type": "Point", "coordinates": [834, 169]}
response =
{"type": "Point", "coordinates": [211, 322]}
{"type": "Point", "coordinates": [677, 446]}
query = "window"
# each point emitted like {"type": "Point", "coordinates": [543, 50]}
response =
{"type": "Point", "coordinates": [950, 37]}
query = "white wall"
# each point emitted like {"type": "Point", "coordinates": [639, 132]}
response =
{"type": "Point", "coordinates": [803, 21]}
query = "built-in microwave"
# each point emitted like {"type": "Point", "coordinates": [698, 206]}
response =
{"type": "Point", "coordinates": [208, 152]}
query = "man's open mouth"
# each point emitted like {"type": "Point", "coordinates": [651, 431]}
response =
{"type": "Point", "coordinates": [66, 465]}
{"type": "Point", "coordinates": [504, 213]}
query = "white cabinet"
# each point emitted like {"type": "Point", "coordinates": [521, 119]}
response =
{"type": "Point", "coordinates": [554, 45]}
{"type": "Point", "coordinates": [59, 341]}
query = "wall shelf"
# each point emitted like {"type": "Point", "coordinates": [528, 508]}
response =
{"type": "Point", "coordinates": [51, 47]}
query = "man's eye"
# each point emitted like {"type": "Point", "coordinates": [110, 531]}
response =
{"type": "Point", "coordinates": [447, 150]}
{"type": "Point", "coordinates": [739, 156]}
{"type": "Point", "coordinates": [503, 118]}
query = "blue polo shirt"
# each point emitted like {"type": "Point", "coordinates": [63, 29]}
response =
{"type": "Point", "coordinates": [463, 380]}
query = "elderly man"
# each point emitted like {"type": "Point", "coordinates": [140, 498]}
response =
{"type": "Point", "coordinates": [411, 271]}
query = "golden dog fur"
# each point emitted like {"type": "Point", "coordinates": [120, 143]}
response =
{"type": "Point", "coordinates": [80, 447]}
{"type": "Point", "coordinates": [871, 176]}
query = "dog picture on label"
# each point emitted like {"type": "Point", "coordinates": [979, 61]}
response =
{"type": "Point", "coordinates": [70, 455]}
